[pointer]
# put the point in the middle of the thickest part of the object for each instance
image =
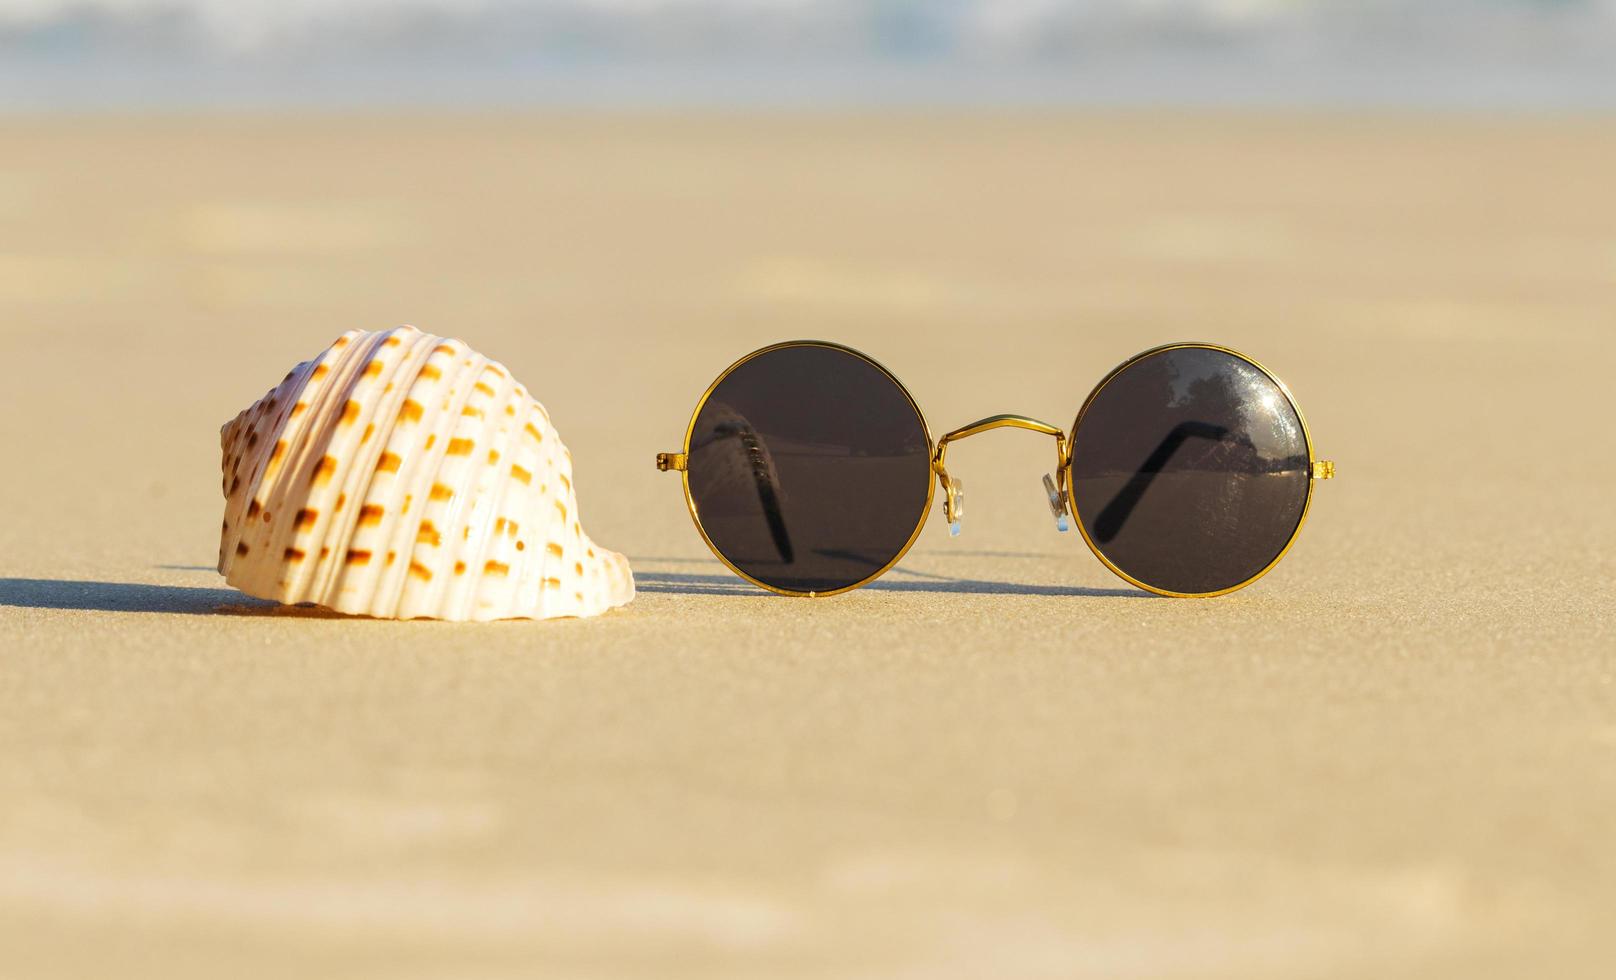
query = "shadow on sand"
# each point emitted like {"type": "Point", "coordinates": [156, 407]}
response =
{"type": "Point", "coordinates": [677, 583]}
{"type": "Point", "coordinates": [37, 593]}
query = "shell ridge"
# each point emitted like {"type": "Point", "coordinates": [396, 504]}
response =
{"type": "Point", "coordinates": [312, 577]}
{"type": "Point", "coordinates": [302, 434]}
{"type": "Point", "coordinates": [553, 597]}
{"type": "Point", "coordinates": [401, 527]}
{"type": "Point", "coordinates": [498, 438]}
{"type": "Point", "coordinates": [238, 436]}
{"type": "Point", "coordinates": [415, 481]}
{"type": "Point", "coordinates": [462, 507]}
{"type": "Point", "coordinates": [528, 569]}
{"type": "Point", "coordinates": [419, 473]}
{"type": "Point", "coordinates": [438, 595]}
{"type": "Point", "coordinates": [233, 442]}
{"type": "Point", "coordinates": [559, 599]}
{"type": "Point", "coordinates": [303, 440]}
{"type": "Point", "coordinates": [417, 477]}
{"type": "Point", "coordinates": [271, 490]}
{"type": "Point", "coordinates": [395, 535]}
{"type": "Point", "coordinates": [535, 513]}
{"type": "Point", "coordinates": [351, 586]}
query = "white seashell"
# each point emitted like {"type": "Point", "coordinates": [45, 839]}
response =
{"type": "Point", "coordinates": [404, 475]}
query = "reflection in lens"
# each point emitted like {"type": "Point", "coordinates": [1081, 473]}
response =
{"type": "Point", "coordinates": [1190, 470]}
{"type": "Point", "coordinates": [809, 467]}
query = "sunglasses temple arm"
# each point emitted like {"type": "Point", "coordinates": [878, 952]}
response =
{"type": "Point", "coordinates": [1056, 489]}
{"type": "Point", "coordinates": [761, 465]}
{"type": "Point", "coordinates": [768, 491]}
{"type": "Point", "coordinates": [1108, 523]}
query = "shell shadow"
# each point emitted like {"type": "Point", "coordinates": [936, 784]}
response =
{"type": "Point", "coordinates": [38, 593]}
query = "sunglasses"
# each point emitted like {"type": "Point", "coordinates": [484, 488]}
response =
{"type": "Point", "coordinates": [809, 470]}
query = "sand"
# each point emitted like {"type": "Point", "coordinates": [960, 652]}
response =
{"type": "Point", "coordinates": [1395, 756]}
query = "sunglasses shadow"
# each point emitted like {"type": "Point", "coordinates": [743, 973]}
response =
{"type": "Point", "coordinates": [682, 583]}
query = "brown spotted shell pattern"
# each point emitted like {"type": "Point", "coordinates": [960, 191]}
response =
{"type": "Point", "coordinates": [403, 475]}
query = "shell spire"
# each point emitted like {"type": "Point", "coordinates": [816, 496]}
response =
{"type": "Point", "coordinates": [403, 475]}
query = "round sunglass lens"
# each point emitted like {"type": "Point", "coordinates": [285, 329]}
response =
{"type": "Point", "coordinates": [809, 468]}
{"type": "Point", "coordinates": [1190, 470]}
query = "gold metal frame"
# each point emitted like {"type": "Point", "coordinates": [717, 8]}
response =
{"type": "Point", "coordinates": [1318, 469]}
{"type": "Point", "coordinates": [678, 461]}
{"type": "Point", "coordinates": [950, 500]}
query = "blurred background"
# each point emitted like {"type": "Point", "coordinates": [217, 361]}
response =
{"type": "Point", "coordinates": [1391, 757]}
{"type": "Point", "coordinates": [1474, 54]}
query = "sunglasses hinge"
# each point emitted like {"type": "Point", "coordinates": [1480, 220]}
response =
{"type": "Point", "coordinates": [671, 461]}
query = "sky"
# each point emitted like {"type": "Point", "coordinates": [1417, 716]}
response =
{"type": "Point", "coordinates": [1533, 54]}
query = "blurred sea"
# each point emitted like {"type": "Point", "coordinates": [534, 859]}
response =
{"type": "Point", "coordinates": [298, 54]}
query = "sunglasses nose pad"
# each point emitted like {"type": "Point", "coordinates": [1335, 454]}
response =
{"type": "Point", "coordinates": [956, 505]}
{"type": "Point", "coordinates": [1057, 503]}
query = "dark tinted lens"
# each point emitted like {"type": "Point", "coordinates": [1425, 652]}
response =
{"type": "Point", "coordinates": [1190, 470]}
{"type": "Point", "coordinates": [809, 468]}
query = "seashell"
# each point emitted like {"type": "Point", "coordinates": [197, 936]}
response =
{"type": "Point", "coordinates": [404, 475]}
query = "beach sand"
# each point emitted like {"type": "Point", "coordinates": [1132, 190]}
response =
{"type": "Point", "coordinates": [1395, 756]}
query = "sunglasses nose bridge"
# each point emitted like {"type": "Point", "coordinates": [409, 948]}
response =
{"type": "Point", "coordinates": [1055, 489]}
